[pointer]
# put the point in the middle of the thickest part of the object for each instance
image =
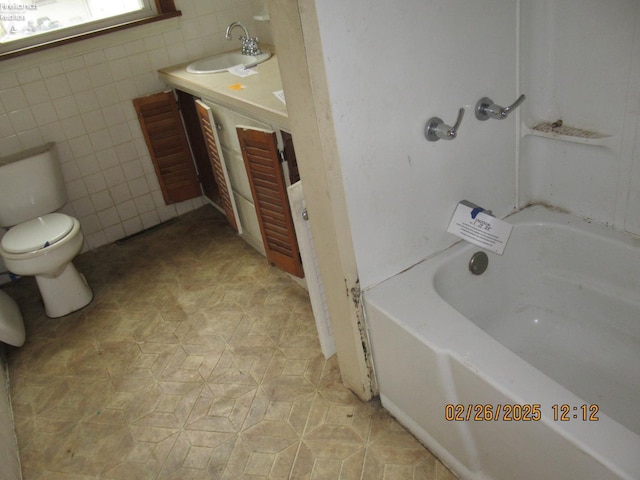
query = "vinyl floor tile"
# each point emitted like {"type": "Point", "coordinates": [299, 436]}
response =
{"type": "Point", "coordinates": [195, 360]}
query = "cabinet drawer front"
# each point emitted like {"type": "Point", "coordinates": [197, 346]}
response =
{"type": "Point", "coordinates": [249, 220]}
{"type": "Point", "coordinates": [237, 173]}
{"type": "Point", "coordinates": [228, 120]}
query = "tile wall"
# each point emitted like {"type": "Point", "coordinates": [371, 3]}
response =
{"type": "Point", "coordinates": [79, 96]}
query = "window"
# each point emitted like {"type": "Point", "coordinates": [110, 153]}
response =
{"type": "Point", "coordinates": [30, 25]}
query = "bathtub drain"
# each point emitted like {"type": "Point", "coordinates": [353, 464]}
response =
{"type": "Point", "coordinates": [478, 263]}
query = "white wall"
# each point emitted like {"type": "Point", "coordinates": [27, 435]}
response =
{"type": "Point", "coordinates": [393, 65]}
{"type": "Point", "coordinates": [79, 96]}
{"type": "Point", "coordinates": [390, 67]}
{"type": "Point", "coordinates": [581, 63]}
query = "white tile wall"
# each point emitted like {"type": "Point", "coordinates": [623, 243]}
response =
{"type": "Point", "coordinates": [79, 96]}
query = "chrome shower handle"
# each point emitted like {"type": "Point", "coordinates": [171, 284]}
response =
{"type": "Point", "coordinates": [436, 129]}
{"type": "Point", "coordinates": [486, 109]}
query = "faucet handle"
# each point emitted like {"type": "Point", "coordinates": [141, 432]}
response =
{"type": "Point", "coordinates": [486, 109]}
{"type": "Point", "coordinates": [250, 46]}
{"type": "Point", "coordinates": [436, 129]}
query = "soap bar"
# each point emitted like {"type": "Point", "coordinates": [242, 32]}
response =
{"type": "Point", "coordinates": [480, 229]}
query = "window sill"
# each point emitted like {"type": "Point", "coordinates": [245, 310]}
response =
{"type": "Point", "coordinates": [95, 33]}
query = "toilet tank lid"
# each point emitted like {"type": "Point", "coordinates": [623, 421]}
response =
{"type": "Point", "coordinates": [32, 152]}
{"type": "Point", "coordinates": [37, 233]}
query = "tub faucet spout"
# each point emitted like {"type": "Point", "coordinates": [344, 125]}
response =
{"type": "Point", "coordinates": [249, 44]}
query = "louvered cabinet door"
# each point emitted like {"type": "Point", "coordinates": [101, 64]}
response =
{"type": "Point", "coordinates": [189, 114]}
{"type": "Point", "coordinates": [262, 161]}
{"type": "Point", "coordinates": [219, 167]}
{"type": "Point", "coordinates": [167, 143]}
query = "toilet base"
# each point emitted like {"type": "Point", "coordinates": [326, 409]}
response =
{"type": "Point", "coordinates": [65, 293]}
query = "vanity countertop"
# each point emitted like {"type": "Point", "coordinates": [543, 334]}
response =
{"type": "Point", "coordinates": [254, 98]}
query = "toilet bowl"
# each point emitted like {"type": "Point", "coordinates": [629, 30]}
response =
{"type": "Point", "coordinates": [41, 242]}
{"type": "Point", "coordinates": [44, 247]}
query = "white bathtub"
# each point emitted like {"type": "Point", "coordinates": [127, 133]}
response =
{"type": "Point", "coordinates": [555, 321]}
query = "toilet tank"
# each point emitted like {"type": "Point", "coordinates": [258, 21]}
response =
{"type": "Point", "coordinates": [31, 185]}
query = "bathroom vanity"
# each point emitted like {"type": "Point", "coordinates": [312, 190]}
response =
{"type": "Point", "coordinates": [254, 99]}
{"type": "Point", "coordinates": [245, 134]}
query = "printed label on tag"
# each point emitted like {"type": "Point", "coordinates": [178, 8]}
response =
{"type": "Point", "coordinates": [483, 230]}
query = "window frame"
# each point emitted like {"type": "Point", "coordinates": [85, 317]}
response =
{"type": "Point", "coordinates": [165, 9]}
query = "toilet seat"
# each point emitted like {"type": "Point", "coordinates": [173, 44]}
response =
{"type": "Point", "coordinates": [37, 233]}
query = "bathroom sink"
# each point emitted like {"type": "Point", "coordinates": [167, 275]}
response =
{"type": "Point", "coordinates": [223, 61]}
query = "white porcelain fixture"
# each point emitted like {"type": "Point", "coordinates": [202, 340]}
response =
{"type": "Point", "coordinates": [11, 324]}
{"type": "Point", "coordinates": [224, 61]}
{"type": "Point", "coordinates": [528, 370]}
{"type": "Point", "coordinates": [41, 243]}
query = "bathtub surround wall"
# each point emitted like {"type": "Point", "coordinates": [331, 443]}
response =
{"type": "Point", "coordinates": [392, 67]}
{"type": "Point", "coordinates": [580, 62]}
{"type": "Point", "coordinates": [389, 69]}
{"type": "Point", "coordinates": [79, 96]}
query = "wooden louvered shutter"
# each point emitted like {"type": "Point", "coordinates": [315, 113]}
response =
{"type": "Point", "coordinates": [219, 169]}
{"type": "Point", "coordinates": [189, 114]}
{"type": "Point", "coordinates": [167, 143]}
{"type": "Point", "coordinates": [260, 154]}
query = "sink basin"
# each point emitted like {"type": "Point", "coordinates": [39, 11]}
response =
{"type": "Point", "coordinates": [223, 61]}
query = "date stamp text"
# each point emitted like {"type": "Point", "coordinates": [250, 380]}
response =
{"type": "Point", "coordinates": [516, 412]}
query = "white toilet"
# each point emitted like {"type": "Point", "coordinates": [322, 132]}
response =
{"type": "Point", "coordinates": [11, 325]}
{"type": "Point", "coordinates": [41, 243]}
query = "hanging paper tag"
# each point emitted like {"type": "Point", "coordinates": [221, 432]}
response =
{"type": "Point", "coordinates": [475, 226]}
{"type": "Point", "coordinates": [241, 71]}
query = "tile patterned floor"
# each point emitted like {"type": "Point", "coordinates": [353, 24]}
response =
{"type": "Point", "coordinates": [196, 360]}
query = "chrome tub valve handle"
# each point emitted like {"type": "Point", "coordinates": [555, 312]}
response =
{"type": "Point", "coordinates": [436, 129]}
{"type": "Point", "coordinates": [486, 109]}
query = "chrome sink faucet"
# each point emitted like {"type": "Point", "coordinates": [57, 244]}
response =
{"type": "Point", "coordinates": [249, 44]}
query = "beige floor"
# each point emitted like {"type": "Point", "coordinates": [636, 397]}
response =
{"type": "Point", "coordinates": [196, 360]}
